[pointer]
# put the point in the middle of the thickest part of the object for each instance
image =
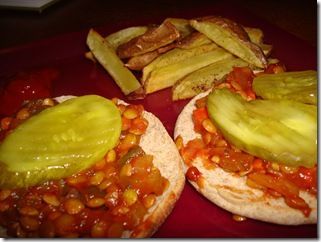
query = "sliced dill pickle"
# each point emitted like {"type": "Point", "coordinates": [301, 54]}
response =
{"type": "Point", "coordinates": [59, 141]}
{"type": "Point", "coordinates": [300, 86]}
{"type": "Point", "coordinates": [283, 131]}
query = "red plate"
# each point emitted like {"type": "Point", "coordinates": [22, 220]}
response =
{"type": "Point", "coordinates": [193, 216]}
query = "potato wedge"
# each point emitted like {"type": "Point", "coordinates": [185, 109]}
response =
{"type": "Point", "coordinates": [193, 40]}
{"type": "Point", "coordinates": [138, 62]}
{"type": "Point", "coordinates": [120, 37]}
{"type": "Point", "coordinates": [153, 39]}
{"type": "Point", "coordinates": [175, 55]}
{"type": "Point", "coordinates": [107, 57]}
{"type": "Point", "coordinates": [273, 60]}
{"type": "Point", "coordinates": [255, 34]}
{"type": "Point", "coordinates": [232, 37]}
{"type": "Point", "coordinates": [204, 78]}
{"type": "Point", "coordinates": [166, 76]}
{"type": "Point", "coordinates": [182, 25]}
{"type": "Point", "coordinates": [267, 49]}
{"type": "Point", "coordinates": [124, 35]}
{"type": "Point", "coordinates": [90, 56]}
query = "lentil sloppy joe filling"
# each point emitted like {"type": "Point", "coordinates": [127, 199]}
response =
{"type": "Point", "coordinates": [105, 200]}
{"type": "Point", "coordinates": [274, 179]}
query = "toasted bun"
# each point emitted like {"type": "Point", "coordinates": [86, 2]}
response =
{"type": "Point", "coordinates": [230, 192]}
{"type": "Point", "coordinates": [157, 142]}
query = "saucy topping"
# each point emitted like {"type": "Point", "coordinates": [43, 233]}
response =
{"type": "Point", "coordinates": [276, 180]}
{"type": "Point", "coordinates": [111, 196]}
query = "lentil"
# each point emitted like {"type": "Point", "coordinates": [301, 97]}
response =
{"type": "Point", "coordinates": [51, 199]}
{"type": "Point", "coordinates": [238, 218]}
{"type": "Point", "coordinates": [28, 211]}
{"type": "Point", "coordinates": [73, 206]}
{"type": "Point", "coordinates": [48, 102]}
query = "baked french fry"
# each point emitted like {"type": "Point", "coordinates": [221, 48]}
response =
{"type": "Point", "coordinates": [204, 78]}
{"type": "Point", "coordinates": [124, 35]}
{"type": "Point", "coordinates": [120, 37]}
{"type": "Point", "coordinates": [90, 56]}
{"type": "Point", "coordinates": [166, 76]}
{"type": "Point", "coordinates": [153, 39]}
{"type": "Point", "coordinates": [273, 60]}
{"type": "Point", "coordinates": [267, 49]}
{"type": "Point", "coordinates": [138, 62]}
{"type": "Point", "coordinates": [175, 55]}
{"type": "Point", "coordinates": [255, 34]}
{"type": "Point", "coordinates": [232, 37]}
{"type": "Point", "coordinates": [107, 57]}
{"type": "Point", "coordinates": [182, 25]}
{"type": "Point", "coordinates": [193, 40]}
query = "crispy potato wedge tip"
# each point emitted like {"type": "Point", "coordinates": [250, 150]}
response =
{"type": "Point", "coordinates": [166, 76]}
{"type": "Point", "coordinates": [90, 56]}
{"type": "Point", "coordinates": [232, 37]}
{"type": "Point", "coordinates": [107, 57]}
{"type": "Point", "coordinates": [153, 39]}
{"type": "Point", "coordinates": [255, 34]}
{"type": "Point", "coordinates": [182, 25]}
{"type": "Point", "coordinates": [203, 79]}
{"type": "Point", "coordinates": [175, 55]}
{"type": "Point", "coordinates": [267, 49]}
{"type": "Point", "coordinates": [273, 60]}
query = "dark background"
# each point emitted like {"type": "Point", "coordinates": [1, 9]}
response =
{"type": "Point", "coordinates": [24, 26]}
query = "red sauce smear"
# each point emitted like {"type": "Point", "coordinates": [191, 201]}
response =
{"type": "Point", "coordinates": [26, 86]}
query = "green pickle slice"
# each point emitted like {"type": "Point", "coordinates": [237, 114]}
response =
{"type": "Point", "coordinates": [300, 86]}
{"type": "Point", "coordinates": [59, 141]}
{"type": "Point", "coordinates": [282, 131]}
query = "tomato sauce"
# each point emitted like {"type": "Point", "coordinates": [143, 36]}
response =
{"type": "Point", "coordinates": [26, 86]}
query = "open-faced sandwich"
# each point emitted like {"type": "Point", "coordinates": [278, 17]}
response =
{"type": "Point", "coordinates": [86, 167]}
{"type": "Point", "coordinates": [255, 157]}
